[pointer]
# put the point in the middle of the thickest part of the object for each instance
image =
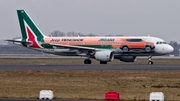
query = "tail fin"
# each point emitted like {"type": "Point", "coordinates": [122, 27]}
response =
{"type": "Point", "coordinates": [30, 32]}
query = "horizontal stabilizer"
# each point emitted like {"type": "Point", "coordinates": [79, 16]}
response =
{"type": "Point", "coordinates": [24, 43]}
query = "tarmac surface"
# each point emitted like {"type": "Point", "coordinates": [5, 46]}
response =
{"type": "Point", "coordinates": [116, 67]}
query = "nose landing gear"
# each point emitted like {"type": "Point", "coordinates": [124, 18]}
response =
{"type": "Point", "coordinates": [150, 62]}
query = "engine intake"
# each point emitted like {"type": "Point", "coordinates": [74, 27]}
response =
{"type": "Point", "coordinates": [105, 55]}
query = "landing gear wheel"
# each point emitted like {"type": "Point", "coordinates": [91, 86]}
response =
{"type": "Point", "coordinates": [147, 48]}
{"type": "Point", "coordinates": [87, 61]}
{"type": "Point", "coordinates": [150, 62]}
{"type": "Point", "coordinates": [125, 49]}
{"type": "Point", "coordinates": [103, 62]}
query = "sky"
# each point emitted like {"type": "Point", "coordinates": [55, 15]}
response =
{"type": "Point", "coordinates": [159, 18]}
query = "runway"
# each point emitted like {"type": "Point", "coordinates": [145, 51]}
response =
{"type": "Point", "coordinates": [116, 67]}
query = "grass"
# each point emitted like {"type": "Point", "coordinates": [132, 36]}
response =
{"type": "Point", "coordinates": [134, 85]}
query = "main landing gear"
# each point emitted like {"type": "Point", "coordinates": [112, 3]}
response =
{"type": "Point", "coordinates": [150, 62]}
{"type": "Point", "coordinates": [87, 61]}
{"type": "Point", "coordinates": [103, 62]}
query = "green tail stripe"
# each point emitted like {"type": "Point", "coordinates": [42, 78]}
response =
{"type": "Point", "coordinates": [22, 16]}
{"type": "Point", "coordinates": [22, 26]}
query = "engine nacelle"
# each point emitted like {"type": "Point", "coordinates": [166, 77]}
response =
{"type": "Point", "coordinates": [127, 58]}
{"type": "Point", "coordinates": [105, 55]}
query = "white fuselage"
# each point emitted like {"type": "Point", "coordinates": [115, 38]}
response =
{"type": "Point", "coordinates": [161, 48]}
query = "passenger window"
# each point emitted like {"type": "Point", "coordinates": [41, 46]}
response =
{"type": "Point", "coordinates": [134, 40]}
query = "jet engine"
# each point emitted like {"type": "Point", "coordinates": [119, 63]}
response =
{"type": "Point", "coordinates": [105, 55]}
{"type": "Point", "coordinates": [127, 58]}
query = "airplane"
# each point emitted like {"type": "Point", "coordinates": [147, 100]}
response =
{"type": "Point", "coordinates": [103, 49]}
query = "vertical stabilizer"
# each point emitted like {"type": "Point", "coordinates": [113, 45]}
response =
{"type": "Point", "coordinates": [29, 30]}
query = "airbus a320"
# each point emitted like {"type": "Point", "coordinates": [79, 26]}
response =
{"type": "Point", "coordinates": [103, 49]}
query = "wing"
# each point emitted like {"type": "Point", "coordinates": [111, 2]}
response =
{"type": "Point", "coordinates": [75, 47]}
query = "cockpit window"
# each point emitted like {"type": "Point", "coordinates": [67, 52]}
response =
{"type": "Point", "coordinates": [160, 42]}
{"type": "Point", "coordinates": [164, 42]}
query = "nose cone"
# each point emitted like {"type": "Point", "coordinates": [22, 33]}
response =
{"type": "Point", "coordinates": [163, 49]}
{"type": "Point", "coordinates": [170, 49]}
